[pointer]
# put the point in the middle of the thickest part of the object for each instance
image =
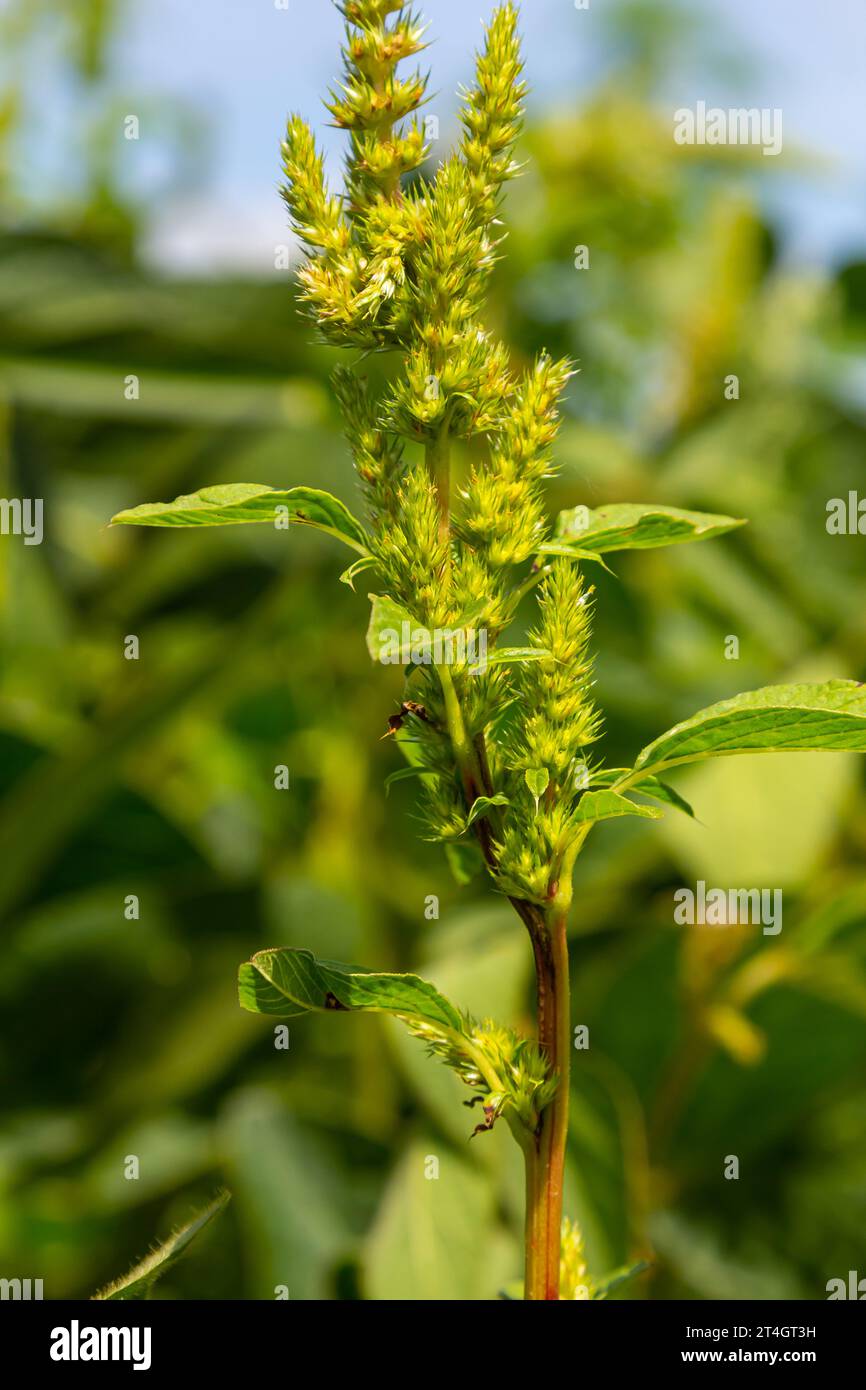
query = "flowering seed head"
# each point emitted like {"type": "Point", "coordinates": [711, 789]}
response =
{"type": "Point", "coordinates": [401, 265]}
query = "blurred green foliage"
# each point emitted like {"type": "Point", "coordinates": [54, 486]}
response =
{"type": "Point", "coordinates": [155, 777]}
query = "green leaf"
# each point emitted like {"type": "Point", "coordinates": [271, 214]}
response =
{"type": "Point", "coordinates": [649, 786]}
{"type": "Point", "coordinates": [391, 630]}
{"type": "Point", "coordinates": [806, 718]}
{"type": "Point", "coordinates": [138, 1283]}
{"type": "Point", "coordinates": [638, 526]}
{"type": "Point", "coordinates": [395, 638]}
{"type": "Point", "coordinates": [517, 656]}
{"type": "Point", "coordinates": [537, 780]}
{"type": "Point", "coordinates": [235, 504]}
{"type": "Point", "coordinates": [569, 551]}
{"type": "Point", "coordinates": [286, 983]}
{"type": "Point", "coordinates": [662, 791]}
{"type": "Point", "coordinates": [349, 576]}
{"type": "Point", "coordinates": [608, 805]}
{"type": "Point", "coordinates": [509, 1070]}
{"type": "Point", "coordinates": [482, 804]}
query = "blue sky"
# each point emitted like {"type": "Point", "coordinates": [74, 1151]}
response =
{"type": "Point", "coordinates": [245, 63]}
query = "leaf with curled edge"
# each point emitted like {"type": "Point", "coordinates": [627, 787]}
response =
{"type": "Point", "coordinates": [286, 982]}
{"type": "Point", "coordinates": [638, 526]}
{"type": "Point", "coordinates": [238, 504]}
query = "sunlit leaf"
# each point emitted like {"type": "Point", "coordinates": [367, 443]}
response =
{"type": "Point", "coordinates": [537, 780]}
{"type": "Point", "coordinates": [608, 805]}
{"type": "Point", "coordinates": [808, 718]}
{"type": "Point", "coordinates": [237, 504]}
{"type": "Point", "coordinates": [638, 526]}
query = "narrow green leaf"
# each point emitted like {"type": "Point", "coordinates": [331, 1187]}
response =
{"type": "Point", "coordinates": [138, 1283]}
{"type": "Point", "coordinates": [608, 805]}
{"type": "Point", "coordinates": [349, 576]}
{"type": "Point", "coordinates": [517, 656]}
{"type": "Point", "coordinates": [572, 551]}
{"type": "Point", "coordinates": [235, 504]}
{"type": "Point", "coordinates": [807, 718]}
{"type": "Point", "coordinates": [662, 791]}
{"type": "Point", "coordinates": [287, 982]}
{"type": "Point", "coordinates": [482, 804]}
{"type": "Point", "coordinates": [638, 526]}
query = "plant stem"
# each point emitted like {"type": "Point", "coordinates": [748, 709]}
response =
{"type": "Point", "coordinates": [545, 1167]}
{"type": "Point", "coordinates": [545, 1175]}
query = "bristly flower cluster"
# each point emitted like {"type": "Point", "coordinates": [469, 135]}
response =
{"type": "Point", "coordinates": [402, 264]}
{"type": "Point", "coordinates": [574, 1280]}
{"type": "Point", "coordinates": [508, 1073]}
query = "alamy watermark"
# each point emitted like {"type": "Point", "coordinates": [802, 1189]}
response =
{"type": "Point", "coordinates": [24, 1290]}
{"type": "Point", "coordinates": [854, 1287]}
{"type": "Point", "coordinates": [77, 1343]}
{"type": "Point", "coordinates": [438, 646]}
{"type": "Point", "coordinates": [22, 516]}
{"type": "Point", "coordinates": [736, 125]}
{"type": "Point", "coordinates": [727, 907]}
{"type": "Point", "coordinates": [846, 516]}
